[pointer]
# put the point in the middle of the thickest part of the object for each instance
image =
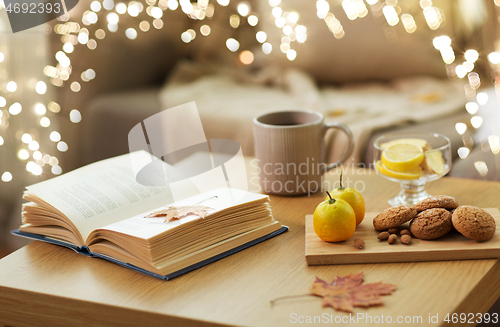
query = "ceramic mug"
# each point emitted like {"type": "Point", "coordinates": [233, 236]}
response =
{"type": "Point", "coordinates": [290, 149]}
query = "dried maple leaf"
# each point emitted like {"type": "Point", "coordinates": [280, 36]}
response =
{"type": "Point", "coordinates": [175, 213]}
{"type": "Point", "coordinates": [345, 293]}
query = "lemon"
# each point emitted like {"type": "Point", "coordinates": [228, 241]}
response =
{"type": "Point", "coordinates": [403, 157]}
{"type": "Point", "coordinates": [421, 143]}
{"type": "Point", "coordinates": [334, 220]}
{"type": "Point", "coordinates": [414, 173]}
{"type": "Point", "coordinates": [352, 197]}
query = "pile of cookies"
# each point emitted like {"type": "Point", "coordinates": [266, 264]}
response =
{"type": "Point", "coordinates": [436, 216]}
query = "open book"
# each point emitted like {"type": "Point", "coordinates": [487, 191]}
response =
{"type": "Point", "coordinates": [101, 211]}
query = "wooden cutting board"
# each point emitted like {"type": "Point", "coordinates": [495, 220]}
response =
{"type": "Point", "coordinates": [453, 246]}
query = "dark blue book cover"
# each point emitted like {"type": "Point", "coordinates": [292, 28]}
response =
{"type": "Point", "coordinates": [85, 251]}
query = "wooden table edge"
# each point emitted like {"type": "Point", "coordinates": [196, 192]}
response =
{"type": "Point", "coordinates": [478, 300]}
{"type": "Point", "coordinates": [47, 311]}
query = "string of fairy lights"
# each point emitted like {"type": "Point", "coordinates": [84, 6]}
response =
{"type": "Point", "coordinates": [142, 16]}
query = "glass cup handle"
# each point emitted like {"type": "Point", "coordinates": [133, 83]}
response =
{"type": "Point", "coordinates": [350, 147]}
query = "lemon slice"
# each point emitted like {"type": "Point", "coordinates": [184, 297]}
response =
{"type": "Point", "coordinates": [415, 173]}
{"type": "Point", "coordinates": [402, 157]}
{"type": "Point", "coordinates": [421, 143]}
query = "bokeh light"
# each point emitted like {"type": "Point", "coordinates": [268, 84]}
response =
{"type": "Point", "coordinates": [6, 177]}
{"type": "Point", "coordinates": [232, 44]}
{"type": "Point", "coordinates": [55, 136]}
{"type": "Point", "coordinates": [62, 146]}
{"type": "Point", "coordinates": [11, 86]}
{"type": "Point", "coordinates": [75, 116]}
{"type": "Point", "coordinates": [41, 87]}
{"type": "Point", "coordinates": [246, 57]}
{"type": "Point", "coordinates": [15, 108]}
{"type": "Point", "coordinates": [243, 8]}
{"type": "Point", "coordinates": [131, 33]}
{"type": "Point", "coordinates": [267, 48]}
{"type": "Point", "coordinates": [261, 36]}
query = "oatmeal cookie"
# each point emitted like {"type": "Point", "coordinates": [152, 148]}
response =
{"type": "Point", "coordinates": [474, 223]}
{"type": "Point", "coordinates": [438, 201]}
{"type": "Point", "coordinates": [431, 223]}
{"type": "Point", "coordinates": [394, 216]}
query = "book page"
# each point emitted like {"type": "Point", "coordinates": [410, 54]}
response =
{"type": "Point", "coordinates": [217, 199]}
{"type": "Point", "coordinates": [101, 193]}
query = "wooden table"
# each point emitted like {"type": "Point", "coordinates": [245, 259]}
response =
{"type": "Point", "coordinates": [50, 285]}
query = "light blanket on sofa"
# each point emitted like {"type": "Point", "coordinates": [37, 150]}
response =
{"type": "Point", "coordinates": [229, 98]}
